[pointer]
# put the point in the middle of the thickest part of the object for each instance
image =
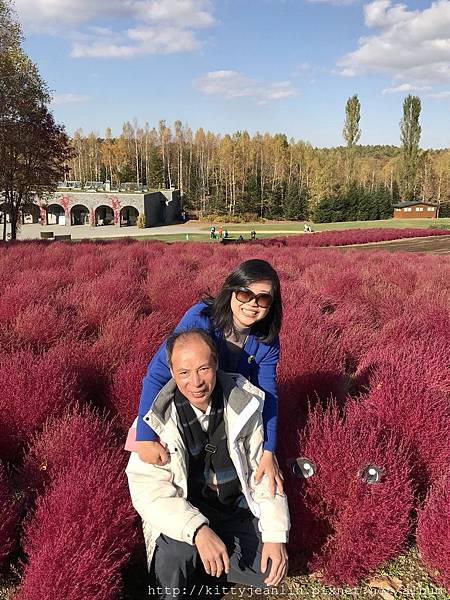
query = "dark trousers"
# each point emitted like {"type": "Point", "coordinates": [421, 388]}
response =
{"type": "Point", "coordinates": [175, 563]}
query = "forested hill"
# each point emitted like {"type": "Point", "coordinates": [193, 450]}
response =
{"type": "Point", "coordinates": [264, 174]}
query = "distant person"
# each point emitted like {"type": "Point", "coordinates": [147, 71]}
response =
{"type": "Point", "coordinates": [240, 238]}
{"type": "Point", "coordinates": [225, 234]}
{"type": "Point", "coordinates": [244, 320]}
{"type": "Point", "coordinates": [253, 234]}
{"type": "Point", "coordinates": [220, 232]}
{"type": "Point", "coordinates": [212, 233]}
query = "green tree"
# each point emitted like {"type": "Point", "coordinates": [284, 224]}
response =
{"type": "Point", "coordinates": [296, 203]}
{"type": "Point", "coordinates": [155, 170]}
{"type": "Point", "coordinates": [351, 131]}
{"type": "Point", "coordinates": [33, 148]}
{"type": "Point", "coordinates": [410, 137]}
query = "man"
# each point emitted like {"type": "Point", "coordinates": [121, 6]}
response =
{"type": "Point", "coordinates": [204, 505]}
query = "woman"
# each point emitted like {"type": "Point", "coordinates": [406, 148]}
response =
{"type": "Point", "coordinates": [244, 320]}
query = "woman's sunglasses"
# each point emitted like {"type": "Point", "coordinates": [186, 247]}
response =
{"type": "Point", "coordinates": [263, 300]}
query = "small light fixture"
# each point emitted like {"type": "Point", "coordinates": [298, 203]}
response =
{"type": "Point", "coordinates": [302, 467]}
{"type": "Point", "coordinates": [372, 473]}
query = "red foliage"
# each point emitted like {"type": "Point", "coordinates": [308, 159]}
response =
{"type": "Point", "coordinates": [433, 531]}
{"type": "Point", "coordinates": [82, 533]}
{"type": "Point", "coordinates": [311, 369]}
{"type": "Point", "coordinates": [33, 389]}
{"type": "Point", "coordinates": [350, 236]}
{"type": "Point", "coordinates": [80, 323]}
{"type": "Point", "coordinates": [77, 435]}
{"type": "Point", "coordinates": [409, 386]}
{"type": "Point", "coordinates": [352, 526]}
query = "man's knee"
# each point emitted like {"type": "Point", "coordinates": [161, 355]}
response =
{"type": "Point", "coordinates": [173, 553]}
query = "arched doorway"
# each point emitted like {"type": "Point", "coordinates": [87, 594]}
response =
{"type": "Point", "coordinates": [55, 215]}
{"type": "Point", "coordinates": [79, 215]}
{"type": "Point", "coordinates": [30, 214]}
{"type": "Point", "coordinates": [104, 215]}
{"type": "Point", "coordinates": [129, 216]}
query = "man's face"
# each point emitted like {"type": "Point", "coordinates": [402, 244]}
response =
{"type": "Point", "coordinates": [194, 370]}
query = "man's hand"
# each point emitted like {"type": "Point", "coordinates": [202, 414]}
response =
{"type": "Point", "coordinates": [278, 554]}
{"type": "Point", "coordinates": [152, 453]}
{"type": "Point", "coordinates": [268, 465]}
{"type": "Point", "coordinates": [213, 552]}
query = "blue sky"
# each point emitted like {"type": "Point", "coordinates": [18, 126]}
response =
{"type": "Point", "coordinates": [261, 65]}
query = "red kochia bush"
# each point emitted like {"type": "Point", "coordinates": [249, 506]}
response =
{"type": "Point", "coordinates": [311, 369]}
{"type": "Point", "coordinates": [350, 236]}
{"type": "Point", "coordinates": [433, 531]}
{"type": "Point", "coordinates": [82, 533]}
{"type": "Point", "coordinates": [409, 386]}
{"type": "Point", "coordinates": [33, 388]}
{"type": "Point", "coordinates": [78, 434]}
{"type": "Point", "coordinates": [127, 380]}
{"type": "Point", "coordinates": [358, 525]}
{"type": "Point", "coordinates": [9, 517]}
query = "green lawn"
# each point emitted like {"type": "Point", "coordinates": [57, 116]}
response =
{"type": "Point", "coordinates": [195, 237]}
{"type": "Point", "coordinates": [297, 226]}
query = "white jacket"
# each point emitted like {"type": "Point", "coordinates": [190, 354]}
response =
{"type": "Point", "coordinates": [159, 493]}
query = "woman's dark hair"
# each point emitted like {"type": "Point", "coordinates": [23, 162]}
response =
{"type": "Point", "coordinates": [218, 309]}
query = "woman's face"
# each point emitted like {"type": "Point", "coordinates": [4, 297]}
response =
{"type": "Point", "coordinates": [245, 314]}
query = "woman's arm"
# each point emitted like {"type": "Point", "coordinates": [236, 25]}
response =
{"type": "Point", "coordinates": [266, 374]}
{"type": "Point", "coordinates": [266, 380]}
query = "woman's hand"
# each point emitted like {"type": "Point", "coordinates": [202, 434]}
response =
{"type": "Point", "coordinates": [152, 453]}
{"type": "Point", "coordinates": [268, 465]}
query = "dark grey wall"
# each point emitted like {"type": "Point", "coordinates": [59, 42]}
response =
{"type": "Point", "coordinates": [162, 208]}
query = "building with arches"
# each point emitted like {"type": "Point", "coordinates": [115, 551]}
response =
{"type": "Point", "coordinates": [99, 208]}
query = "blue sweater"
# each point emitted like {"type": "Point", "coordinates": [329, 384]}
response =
{"type": "Point", "coordinates": [257, 362]}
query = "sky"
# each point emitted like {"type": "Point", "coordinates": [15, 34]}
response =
{"type": "Point", "coordinates": [277, 66]}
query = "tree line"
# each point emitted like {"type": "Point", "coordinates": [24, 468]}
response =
{"type": "Point", "coordinates": [267, 175]}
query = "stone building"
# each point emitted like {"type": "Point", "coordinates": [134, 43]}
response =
{"type": "Point", "coordinates": [97, 208]}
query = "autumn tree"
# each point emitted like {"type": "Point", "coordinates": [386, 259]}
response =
{"type": "Point", "coordinates": [410, 137]}
{"type": "Point", "coordinates": [351, 131]}
{"type": "Point", "coordinates": [33, 148]}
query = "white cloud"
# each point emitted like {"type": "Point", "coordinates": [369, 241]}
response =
{"type": "Point", "coordinates": [440, 95]}
{"type": "Point", "coordinates": [412, 45]}
{"type": "Point", "coordinates": [136, 42]}
{"type": "Point", "coordinates": [69, 98]}
{"type": "Point", "coordinates": [155, 26]}
{"type": "Point", "coordinates": [404, 88]}
{"type": "Point", "coordinates": [232, 84]}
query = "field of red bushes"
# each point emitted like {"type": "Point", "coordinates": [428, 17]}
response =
{"type": "Point", "coordinates": [364, 385]}
{"type": "Point", "coordinates": [349, 237]}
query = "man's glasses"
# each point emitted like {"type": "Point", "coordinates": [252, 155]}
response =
{"type": "Point", "coordinates": [263, 300]}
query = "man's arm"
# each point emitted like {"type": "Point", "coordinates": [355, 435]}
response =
{"type": "Point", "coordinates": [156, 498]}
{"type": "Point", "coordinates": [274, 522]}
